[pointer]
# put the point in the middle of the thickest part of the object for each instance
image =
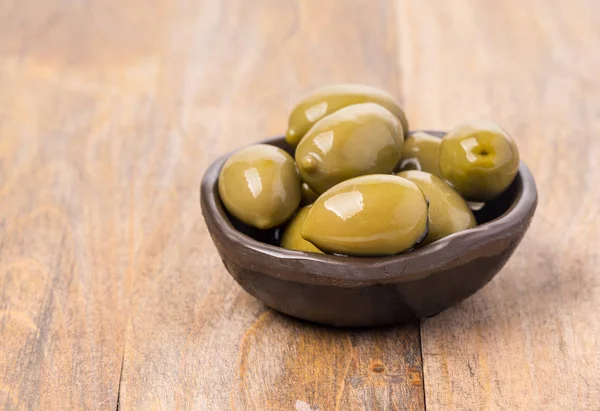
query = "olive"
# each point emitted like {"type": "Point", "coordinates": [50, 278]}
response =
{"type": "Point", "coordinates": [260, 186]}
{"type": "Point", "coordinates": [448, 212]}
{"type": "Point", "coordinates": [308, 195]}
{"type": "Point", "coordinates": [479, 159]}
{"type": "Point", "coordinates": [292, 240]}
{"type": "Point", "coordinates": [355, 140]}
{"type": "Point", "coordinates": [421, 152]}
{"type": "Point", "coordinates": [327, 100]}
{"type": "Point", "coordinates": [372, 215]}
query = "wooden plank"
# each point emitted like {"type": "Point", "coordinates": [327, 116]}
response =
{"type": "Point", "coordinates": [530, 339]}
{"type": "Point", "coordinates": [229, 73]}
{"type": "Point", "coordinates": [70, 100]}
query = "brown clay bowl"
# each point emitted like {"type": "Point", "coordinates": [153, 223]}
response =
{"type": "Point", "coordinates": [369, 291]}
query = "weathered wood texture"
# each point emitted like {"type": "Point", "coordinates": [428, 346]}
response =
{"type": "Point", "coordinates": [111, 112]}
{"type": "Point", "coordinates": [530, 339]}
{"type": "Point", "coordinates": [110, 288]}
{"type": "Point", "coordinates": [194, 339]}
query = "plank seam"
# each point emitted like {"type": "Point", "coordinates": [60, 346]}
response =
{"type": "Point", "coordinates": [422, 365]}
{"type": "Point", "coordinates": [120, 382]}
{"type": "Point", "coordinates": [400, 91]}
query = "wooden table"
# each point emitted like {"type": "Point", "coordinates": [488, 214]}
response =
{"type": "Point", "coordinates": [111, 292]}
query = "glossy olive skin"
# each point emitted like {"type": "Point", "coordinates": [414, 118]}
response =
{"type": "Point", "coordinates": [292, 240]}
{"type": "Point", "coordinates": [308, 195]}
{"type": "Point", "coordinates": [421, 151]}
{"type": "Point", "coordinates": [374, 215]}
{"type": "Point", "coordinates": [327, 100]}
{"type": "Point", "coordinates": [448, 212]}
{"type": "Point", "coordinates": [354, 141]}
{"type": "Point", "coordinates": [479, 159]}
{"type": "Point", "coordinates": [259, 185]}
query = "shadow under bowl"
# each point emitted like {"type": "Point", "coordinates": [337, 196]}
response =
{"type": "Point", "coordinates": [369, 291]}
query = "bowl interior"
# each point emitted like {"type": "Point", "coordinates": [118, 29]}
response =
{"type": "Point", "coordinates": [490, 211]}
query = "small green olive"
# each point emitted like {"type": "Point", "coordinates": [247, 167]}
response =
{"type": "Point", "coordinates": [292, 240]}
{"type": "Point", "coordinates": [355, 140]}
{"type": "Point", "coordinates": [448, 212]}
{"type": "Point", "coordinates": [308, 195]}
{"type": "Point", "coordinates": [479, 159]}
{"type": "Point", "coordinates": [372, 215]}
{"type": "Point", "coordinates": [259, 185]}
{"type": "Point", "coordinates": [327, 100]}
{"type": "Point", "coordinates": [421, 152]}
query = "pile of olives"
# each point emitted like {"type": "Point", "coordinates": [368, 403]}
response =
{"type": "Point", "coordinates": [364, 184]}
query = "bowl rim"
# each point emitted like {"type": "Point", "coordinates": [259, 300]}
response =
{"type": "Point", "coordinates": [312, 268]}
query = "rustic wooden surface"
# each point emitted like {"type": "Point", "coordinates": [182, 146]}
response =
{"type": "Point", "coordinates": [111, 293]}
{"type": "Point", "coordinates": [530, 339]}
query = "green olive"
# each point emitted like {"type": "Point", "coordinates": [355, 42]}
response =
{"type": "Point", "coordinates": [308, 195]}
{"type": "Point", "coordinates": [354, 141]}
{"type": "Point", "coordinates": [327, 100]}
{"type": "Point", "coordinates": [479, 159]}
{"type": "Point", "coordinates": [372, 215]}
{"type": "Point", "coordinates": [259, 185]}
{"type": "Point", "coordinates": [421, 152]}
{"type": "Point", "coordinates": [292, 240]}
{"type": "Point", "coordinates": [448, 212]}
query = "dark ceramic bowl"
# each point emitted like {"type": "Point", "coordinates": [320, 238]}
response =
{"type": "Point", "coordinates": [370, 291]}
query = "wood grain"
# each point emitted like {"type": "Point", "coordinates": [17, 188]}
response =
{"type": "Point", "coordinates": [64, 211]}
{"type": "Point", "coordinates": [195, 340]}
{"type": "Point", "coordinates": [529, 340]}
{"type": "Point", "coordinates": [111, 292]}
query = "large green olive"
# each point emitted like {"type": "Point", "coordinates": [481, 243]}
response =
{"type": "Point", "coordinates": [479, 159]}
{"type": "Point", "coordinates": [448, 212]}
{"type": "Point", "coordinates": [354, 141]}
{"type": "Point", "coordinates": [421, 152]}
{"type": "Point", "coordinates": [308, 195]}
{"type": "Point", "coordinates": [372, 215]}
{"type": "Point", "coordinates": [292, 240]}
{"type": "Point", "coordinates": [327, 100]}
{"type": "Point", "coordinates": [259, 185]}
